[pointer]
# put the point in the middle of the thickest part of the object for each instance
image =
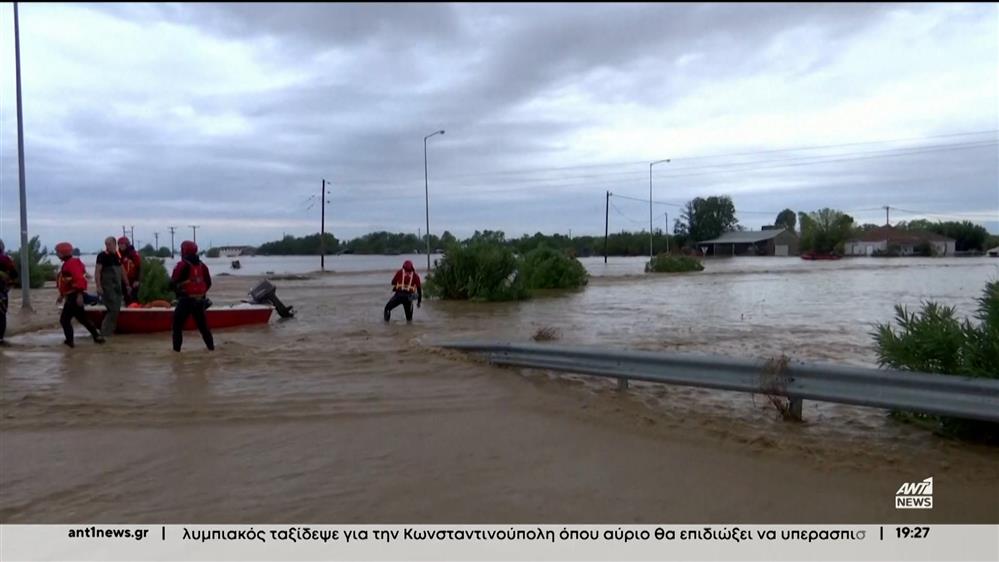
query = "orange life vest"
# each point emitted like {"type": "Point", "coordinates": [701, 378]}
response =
{"type": "Point", "coordinates": [407, 282]}
{"type": "Point", "coordinates": [129, 264]}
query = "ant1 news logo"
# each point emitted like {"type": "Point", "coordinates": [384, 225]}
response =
{"type": "Point", "coordinates": [915, 495]}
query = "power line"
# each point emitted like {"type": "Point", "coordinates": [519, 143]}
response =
{"type": "Point", "coordinates": [618, 211]}
{"type": "Point", "coordinates": [729, 167]}
{"type": "Point", "coordinates": [695, 157]}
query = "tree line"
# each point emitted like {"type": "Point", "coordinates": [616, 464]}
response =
{"type": "Point", "coordinates": [702, 218]}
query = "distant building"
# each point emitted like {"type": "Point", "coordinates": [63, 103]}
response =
{"type": "Point", "coordinates": [892, 241]}
{"type": "Point", "coordinates": [778, 242]}
{"type": "Point", "coordinates": [994, 252]}
{"type": "Point", "coordinates": [236, 251]}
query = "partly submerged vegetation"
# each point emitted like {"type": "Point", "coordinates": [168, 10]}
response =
{"type": "Point", "coordinates": [933, 340]}
{"type": "Point", "coordinates": [548, 268]}
{"type": "Point", "coordinates": [486, 270]}
{"type": "Point", "coordinates": [154, 282]}
{"type": "Point", "coordinates": [664, 263]}
{"type": "Point", "coordinates": [39, 269]}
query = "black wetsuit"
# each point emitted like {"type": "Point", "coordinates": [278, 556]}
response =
{"type": "Point", "coordinates": [70, 310]}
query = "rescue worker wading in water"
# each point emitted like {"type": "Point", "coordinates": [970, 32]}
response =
{"type": "Point", "coordinates": [131, 264]}
{"type": "Point", "coordinates": [72, 282]}
{"type": "Point", "coordinates": [8, 274]}
{"type": "Point", "coordinates": [191, 281]}
{"type": "Point", "coordinates": [406, 285]}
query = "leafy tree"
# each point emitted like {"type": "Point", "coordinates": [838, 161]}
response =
{"type": "Point", "coordinates": [295, 246]}
{"type": "Point", "coordinates": [967, 235]}
{"type": "Point", "coordinates": [39, 269]}
{"type": "Point", "coordinates": [447, 239]}
{"type": "Point", "coordinates": [825, 231]}
{"type": "Point", "coordinates": [787, 220]}
{"type": "Point", "coordinates": [707, 218]}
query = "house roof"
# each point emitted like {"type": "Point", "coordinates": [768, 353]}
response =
{"type": "Point", "coordinates": [891, 234]}
{"type": "Point", "coordinates": [744, 237]}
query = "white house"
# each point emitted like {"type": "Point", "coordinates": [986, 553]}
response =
{"type": "Point", "coordinates": [905, 242]}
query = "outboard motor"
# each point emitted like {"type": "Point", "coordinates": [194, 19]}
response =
{"type": "Point", "coordinates": [265, 293]}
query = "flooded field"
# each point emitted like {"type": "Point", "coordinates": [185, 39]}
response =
{"type": "Point", "coordinates": [335, 416]}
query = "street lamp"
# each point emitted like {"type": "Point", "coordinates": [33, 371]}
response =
{"type": "Point", "coordinates": [650, 202]}
{"type": "Point", "coordinates": [426, 187]}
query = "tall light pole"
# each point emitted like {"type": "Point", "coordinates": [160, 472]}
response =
{"type": "Point", "coordinates": [650, 202]}
{"type": "Point", "coordinates": [25, 272]}
{"type": "Point", "coordinates": [426, 187]}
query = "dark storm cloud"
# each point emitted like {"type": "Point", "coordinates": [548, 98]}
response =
{"type": "Point", "coordinates": [347, 92]}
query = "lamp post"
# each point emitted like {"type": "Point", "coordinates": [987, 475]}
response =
{"type": "Point", "coordinates": [650, 202]}
{"type": "Point", "coordinates": [426, 186]}
{"type": "Point", "coordinates": [25, 266]}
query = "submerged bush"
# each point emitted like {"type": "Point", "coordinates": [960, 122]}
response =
{"type": "Point", "coordinates": [39, 269]}
{"type": "Point", "coordinates": [483, 271]}
{"type": "Point", "coordinates": [547, 268]}
{"type": "Point", "coordinates": [154, 283]}
{"type": "Point", "coordinates": [935, 341]}
{"type": "Point", "coordinates": [665, 263]}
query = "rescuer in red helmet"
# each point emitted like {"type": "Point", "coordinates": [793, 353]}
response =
{"type": "Point", "coordinates": [406, 287]}
{"type": "Point", "coordinates": [72, 283]}
{"type": "Point", "coordinates": [191, 281]}
{"type": "Point", "coordinates": [131, 264]}
{"type": "Point", "coordinates": [8, 274]}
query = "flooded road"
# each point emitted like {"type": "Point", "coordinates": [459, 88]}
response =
{"type": "Point", "coordinates": [335, 416]}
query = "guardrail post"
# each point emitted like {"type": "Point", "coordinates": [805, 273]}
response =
{"type": "Point", "coordinates": [622, 384]}
{"type": "Point", "coordinates": [795, 409]}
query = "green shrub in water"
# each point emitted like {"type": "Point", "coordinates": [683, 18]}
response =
{"type": "Point", "coordinates": [935, 341]}
{"type": "Point", "coordinates": [154, 282]}
{"type": "Point", "coordinates": [483, 271]}
{"type": "Point", "coordinates": [665, 263]}
{"type": "Point", "coordinates": [39, 269]}
{"type": "Point", "coordinates": [547, 268]}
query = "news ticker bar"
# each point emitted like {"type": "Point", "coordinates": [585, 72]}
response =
{"type": "Point", "coordinates": [87, 542]}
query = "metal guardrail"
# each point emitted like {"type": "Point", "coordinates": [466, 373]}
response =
{"type": "Point", "coordinates": [962, 397]}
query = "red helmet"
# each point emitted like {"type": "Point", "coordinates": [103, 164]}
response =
{"type": "Point", "coordinates": [407, 265]}
{"type": "Point", "coordinates": [124, 240]}
{"type": "Point", "coordinates": [64, 249]}
{"type": "Point", "coordinates": [188, 248]}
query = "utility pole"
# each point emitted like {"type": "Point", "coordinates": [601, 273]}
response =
{"type": "Point", "coordinates": [194, 231]}
{"type": "Point", "coordinates": [667, 232]}
{"type": "Point", "coordinates": [887, 222]}
{"type": "Point", "coordinates": [156, 236]}
{"type": "Point", "coordinates": [172, 230]}
{"type": "Point", "coordinates": [322, 228]}
{"type": "Point", "coordinates": [25, 265]}
{"type": "Point", "coordinates": [650, 201]}
{"type": "Point", "coordinates": [606, 223]}
{"type": "Point", "coordinates": [132, 237]}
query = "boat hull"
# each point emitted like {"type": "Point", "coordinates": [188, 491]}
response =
{"type": "Point", "coordinates": [151, 320]}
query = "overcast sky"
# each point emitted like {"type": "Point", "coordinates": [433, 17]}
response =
{"type": "Point", "coordinates": [229, 116]}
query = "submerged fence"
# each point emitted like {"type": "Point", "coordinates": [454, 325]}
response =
{"type": "Point", "coordinates": [961, 397]}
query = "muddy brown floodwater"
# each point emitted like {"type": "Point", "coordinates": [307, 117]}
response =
{"type": "Point", "coordinates": [335, 416]}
